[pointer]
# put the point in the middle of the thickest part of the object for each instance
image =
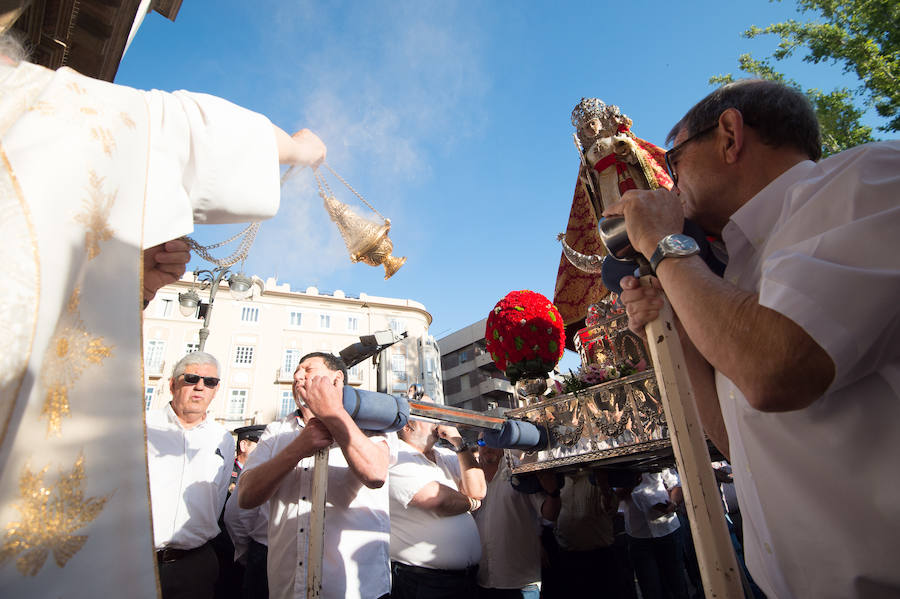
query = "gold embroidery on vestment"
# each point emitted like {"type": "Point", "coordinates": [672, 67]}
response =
{"type": "Point", "coordinates": [88, 110]}
{"type": "Point", "coordinates": [127, 120]}
{"type": "Point", "coordinates": [71, 350]}
{"type": "Point", "coordinates": [49, 517]}
{"type": "Point", "coordinates": [96, 215]}
{"type": "Point", "coordinates": [105, 137]}
{"type": "Point", "coordinates": [76, 88]}
{"type": "Point", "coordinates": [43, 107]}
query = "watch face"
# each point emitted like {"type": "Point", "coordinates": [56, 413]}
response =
{"type": "Point", "coordinates": [680, 245]}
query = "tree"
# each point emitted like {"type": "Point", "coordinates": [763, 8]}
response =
{"type": "Point", "coordinates": [861, 35]}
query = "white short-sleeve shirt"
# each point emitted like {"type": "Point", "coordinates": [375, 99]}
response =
{"type": "Point", "coordinates": [357, 523]}
{"type": "Point", "coordinates": [817, 491]}
{"type": "Point", "coordinates": [420, 537]}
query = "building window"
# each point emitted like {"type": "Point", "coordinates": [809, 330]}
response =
{"type": "Point", "coordinates": [398, 367]}
{"type": "Point", "coordinates": [243, 355]}
{"type": "Point", "coordinates": [355, 373]}
{"type": "Point", "coordinates": [429, 364]}
{"type": "Point", "coordinates": [324, 321]}
{"type": "Point", "coordinates": [287, 405]}
{"type": "Point", "coordinates": [296, 318]}
{"type": "Point", "coordinates": [352, 323]}
{"type": "Point", "coordinates": [236, 403]}
{"type": "Point", "coordinates": [250, 314]}
{"type": "Point", "coordinates": [291, 359]}
{"type": "Point", "coordinates": [452, 386]}
{"type": "Point", "coordinates": [465, 355]}
{"type": "Point", "coordinates": [397, 325]}
{"type": "Point", "coordinates": [190, 348]}
{"type": "Point", "coordinates": [153, 355]}
{"type": "Point", "coordinates": [149, 392]}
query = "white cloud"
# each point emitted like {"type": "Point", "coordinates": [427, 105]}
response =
{"type": "Point", "coordinates": [389, 87]}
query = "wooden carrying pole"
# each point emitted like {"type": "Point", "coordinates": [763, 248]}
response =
{"type": "Point", "coordinates": [712, 542]}
{"type": "Point", "coordinates": [317, 525]}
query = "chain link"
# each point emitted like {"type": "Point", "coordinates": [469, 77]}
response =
{"type": "Point", "coordinates": [249, 234]}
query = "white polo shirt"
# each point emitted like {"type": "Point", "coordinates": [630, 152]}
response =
{"type": "Point", "coordinates": [190, 470]}
{"type": "Point", "coordinates": [243, 525]}
{"type": "Point", "coordinates": [642, 520]}
{"type": "Point", "coordinates": [356, 562]}
{"type": "Point", "coordinates": [421, 537]}
{"type": "Point", "coordinates": [817, 487]}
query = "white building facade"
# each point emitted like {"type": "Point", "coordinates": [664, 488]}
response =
{"type": "Point", "coordinates": [259, 341]}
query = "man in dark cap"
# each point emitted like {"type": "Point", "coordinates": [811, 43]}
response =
{"type": "Point", "coordinates": [247, 438]}
{"type": "Point", "coordinates": [246, 529]}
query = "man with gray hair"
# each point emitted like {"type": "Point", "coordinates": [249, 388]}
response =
{"type": "Point", "coordinates": [189, 459]}
{"type": "Point", "coordinates": [797, 385]}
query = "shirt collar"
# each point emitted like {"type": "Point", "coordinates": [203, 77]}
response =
{"type": "Point", "coordinates": [757, 217]}
{"type": "Point", "coordinates": [173, 418]}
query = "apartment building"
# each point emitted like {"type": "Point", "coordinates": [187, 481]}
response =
{"type": "Point", "coordinates": [471, 380]}
{"type": "Point", "coordinates": [259, 341]}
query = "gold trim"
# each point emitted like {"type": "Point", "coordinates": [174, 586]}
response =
{"type": "Point", "coordinates": [37, 301]}
{"type": "Point", "coordinates": [152, 553]}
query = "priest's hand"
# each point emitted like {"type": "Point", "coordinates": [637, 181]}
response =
{"type": "Point", "coordinates": [164, 264]}
{"type": "Point", "coordinates": [303, 148]}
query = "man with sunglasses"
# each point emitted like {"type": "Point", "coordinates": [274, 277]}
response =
{"type": "Point", "coordinates": [795, 354]}
{"type": "Point", "coordinates": [189, 459]}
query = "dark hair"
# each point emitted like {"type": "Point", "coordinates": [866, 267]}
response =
{"type": "Point", "coordinates": [333, 362]}
{"type": "Point", "coordinates": [781, 115]}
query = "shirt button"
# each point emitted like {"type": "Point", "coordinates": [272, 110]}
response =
{"type": "Point", "coordinates": [301, 563]}
{"type": "Point", "coordinates": [301, 530]}
{"type": "Point", "coordinates": [303, 498]}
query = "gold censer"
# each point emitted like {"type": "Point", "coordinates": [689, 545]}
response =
{"type": "Point", "coordinates": [366, 240]}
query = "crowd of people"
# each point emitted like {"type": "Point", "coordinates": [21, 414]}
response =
{"type": "Point", "coordinates": [413, 515]}
{"type": "Point", "coordinates": [793, 355]}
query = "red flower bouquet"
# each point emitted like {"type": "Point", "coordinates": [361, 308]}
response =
{"type": "Point", "coordinates": [525, 334]}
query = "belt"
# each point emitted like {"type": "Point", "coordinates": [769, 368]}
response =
{"type": "Point", "coordinates": [167, 555]}
{"type": "Point", "coordinates": [464, 573]}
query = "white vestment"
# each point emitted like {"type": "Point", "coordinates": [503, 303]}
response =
{"type": "Point", "coordinates": [91, 173]}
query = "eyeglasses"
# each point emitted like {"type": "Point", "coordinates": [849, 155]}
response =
{"type": "Point", "coordinates": [671, 153]}
{"type": "Point", "coordinates": [191, 379]}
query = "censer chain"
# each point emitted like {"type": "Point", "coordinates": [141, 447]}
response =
{"type": "Point", "coordinates": [323, 188]}
{"type": "Point", "coordinates": [239, 254]}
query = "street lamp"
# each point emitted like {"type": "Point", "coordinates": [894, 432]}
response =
{"type": "Point", "coordinates": [240, 285]}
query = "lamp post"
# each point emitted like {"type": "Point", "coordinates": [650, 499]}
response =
{"type": "Point", "coordinates": [239, 284]}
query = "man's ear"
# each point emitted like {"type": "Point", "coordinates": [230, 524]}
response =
{"type": "Point", "coordinates": [731, 122]}
{"type": "Point", "coordinates": [172, 386]}
{"type": "Point", "coordinates": [340, 377]}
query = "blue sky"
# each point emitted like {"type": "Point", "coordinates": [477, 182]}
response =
{"type": "Point", "coordinates": [451, 118]}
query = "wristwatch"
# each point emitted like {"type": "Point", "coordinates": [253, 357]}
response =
{"type": "Point", "coordinates": [464, 447]}
{"type": "Point", "coordinates": [676, 245]}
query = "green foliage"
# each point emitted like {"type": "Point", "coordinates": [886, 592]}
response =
{"type": "Point", "coordinates": [861, 35]}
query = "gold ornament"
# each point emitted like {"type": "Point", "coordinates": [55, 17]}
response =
{"type": "Point", "coordinates": [70, 351]}
{"type": "Point", "coordinates": [50, 515]}
{"type": "Point", "coordinates": [95, 217]}
{"type": "Point", "coordinates": [366, 240]}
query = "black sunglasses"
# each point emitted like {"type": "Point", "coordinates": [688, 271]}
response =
{"type": "Point", "coordinates": [671, 153]}
{"type": "Point", "coordinates": [191, 379]}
